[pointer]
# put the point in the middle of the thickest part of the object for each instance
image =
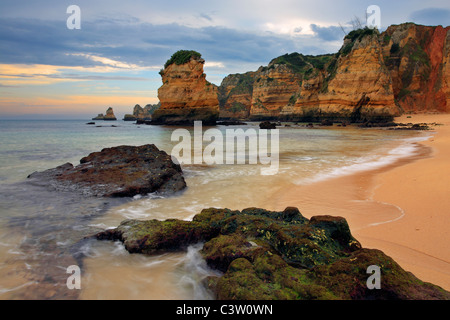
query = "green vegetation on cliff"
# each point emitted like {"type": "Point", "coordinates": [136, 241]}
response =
{"type": "Point", "coordinates": [303, 64]}
{"type": "Point", "coordinates": [182, 57]}
{"type": "Point", "coordinates": [361, 33]}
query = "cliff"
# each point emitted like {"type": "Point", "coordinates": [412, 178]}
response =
{"type": "Point", "coordinates": [186, 95]}
{"type": "Point", "coordinates": [235, 95]}
{"type": "Point", "coordinates": [355, 86]}
{"type": "Point", "coordinates": [418, 60]}
{"type": "Point", "coordinates": [109, 115]}
{"type": "Point", "coordinates": [373, 77]}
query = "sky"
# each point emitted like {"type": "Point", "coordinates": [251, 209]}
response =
{"type": "Point", "coordinates": [48, 71]}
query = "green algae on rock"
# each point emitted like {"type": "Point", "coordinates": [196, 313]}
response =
{"type": "Point", "coordinates": [266, 255]}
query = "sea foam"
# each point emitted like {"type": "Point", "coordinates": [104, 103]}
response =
{"type": "Point", "coordinates": [407, 148]}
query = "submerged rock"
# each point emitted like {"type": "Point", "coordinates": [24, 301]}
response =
{"type": "Point", "coordinates": [122, 171]}
{"type": "Point", "coordinates": [276, 255]}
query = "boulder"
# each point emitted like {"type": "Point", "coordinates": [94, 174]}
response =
{"type": "Point", "coordinates": [123, 171]}
{"type": "Point", "coordinates": [267, 125]}
{"type": "Point", "coordinates": [267, 255]}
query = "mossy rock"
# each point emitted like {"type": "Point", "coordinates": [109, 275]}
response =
{"type": "Point", "coordinates": [347, 278]}
{"type": "Point", "coordinates": [266, 255]}
{"type": "Point", "coordinates": [154, 236]}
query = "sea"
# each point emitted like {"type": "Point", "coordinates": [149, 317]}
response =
{"type": "Point", "coordinates": [43, 232]}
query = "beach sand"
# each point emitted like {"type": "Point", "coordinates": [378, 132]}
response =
{"type": "Point", "coordinates": [402, 209]}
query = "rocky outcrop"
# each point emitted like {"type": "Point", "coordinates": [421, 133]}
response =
{"type": "Point", "coordinates": [267, 125]}
{"type": "Point", "coordinates": [372, 78]}
{"type": "Point", "coordinates": [418, 60]}
{"type": "Point", "coordinates": [186, 96]}
{"type": "Point", "coordinates": [143, 114]}
{"type": "Point", "coordinates": [122, 171]}
{"type": "Point", "coordinates": [108, 117]}
{"type": "Point", "coordinates": [235, 96]}
{"type": "Point", "coordinates": [276, 255]}
{"type": "Point", "coordinates": [355, 86]}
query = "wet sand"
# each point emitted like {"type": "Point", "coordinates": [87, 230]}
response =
{"type": "Point", "coordinates": [402, 209]}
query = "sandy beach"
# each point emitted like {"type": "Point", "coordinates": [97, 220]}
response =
{"type": "Point", "coordinates": [420, 240]}
{"type": "Point", "coordinates": [401, 209]}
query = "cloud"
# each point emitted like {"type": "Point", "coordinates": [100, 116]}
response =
{"type": "Point", "coordinates": [431, 16]}
{"type": "Point", "coordinates": [214, 64]}
{"type": "Point", "coordinates": [37, 74]}
{"type": "Point", "coordinates": [87, 104]}
{"type": "Point", "coordinates": [205, 16]}
{"type": "Point", "coordinates": [331, 33]}
{"type": "Point", "coordinates": [121, 44]}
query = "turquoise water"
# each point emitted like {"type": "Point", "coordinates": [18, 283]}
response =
{"type": "Point", "coordinates": [42, 232]}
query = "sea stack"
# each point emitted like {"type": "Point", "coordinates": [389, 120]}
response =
{"type": "Point", "coordinates": [186, 96]}
{"type": "Point", "coordinates": [108, 117]}
{"type": "Point", "coordinates": [142, 114]}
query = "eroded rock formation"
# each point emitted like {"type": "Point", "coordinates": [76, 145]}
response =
{"type": "Point", "coordinates": [109, 115]}
{"type": "Point", "coordinates": [186, 96]}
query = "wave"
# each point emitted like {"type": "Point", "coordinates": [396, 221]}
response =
{"type": "Point", "coordinates": [408, 147]}
{"type": "Point", "coordinates": [192, 271]}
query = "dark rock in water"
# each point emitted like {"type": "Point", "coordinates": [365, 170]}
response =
{"type": "Point", "coordinates": [267, 125]}
{"type": "Point", "coordinates": [410, 126]}
{"type": "Point", "coordinates": [90, 123]}
{"type": "Point", "coordinates": [141, 121]}
{"type": "Point", "coordinates": [327, 123]}
{"type": "Point", "coordinates": [185, 117]}
{"type": "Point", "coordinates": [231, 123]}
{"type": "Point", "coordinates": [122, 171]}
{"type": "Point", "coordinates": [266, 255]}
{"type": "Point", "coordinates": [129, 117]}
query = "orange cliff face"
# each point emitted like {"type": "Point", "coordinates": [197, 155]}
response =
{"type": "Point", "coordinates": [446, 71]}
{"type": "Point", "coordinates": [356, 86]}
{"type": "Point", "coordinates": [353, 85]}
{"type": "Point", "coordinates": [273, 90]}
{"type": "Point", "coordinates": [186, 95]}
{"type": "Point", "coordinates": [374, 77]}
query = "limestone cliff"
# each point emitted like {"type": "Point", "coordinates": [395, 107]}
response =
{"type": "Point", "coordinates": [373, 77]}
{"type": "Point", "coordinates": [273, 89]}
{"type": "Point", "coordinates": [186, 95]}
{"type": "Point", "coordinates": [418, 60]}
{"type": "Point", "coordinates": [355, 86]}
{"type": "Point", "coordinates": [235, 95]}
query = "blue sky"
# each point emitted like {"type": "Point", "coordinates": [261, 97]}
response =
{"type": "Point", "coordinates": [114, 59]}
